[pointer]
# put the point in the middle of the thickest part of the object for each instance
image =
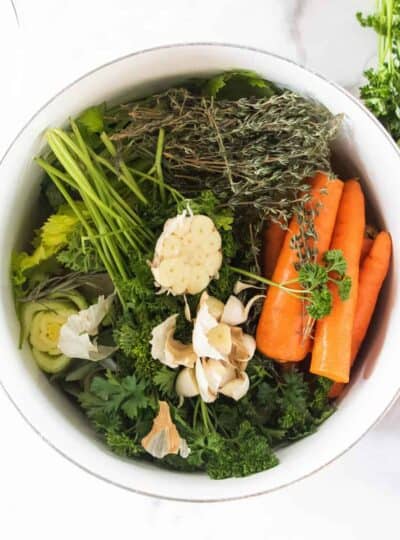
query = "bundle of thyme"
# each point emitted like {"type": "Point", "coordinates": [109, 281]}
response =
{"type": "Point", "coordinates": [254, 153]}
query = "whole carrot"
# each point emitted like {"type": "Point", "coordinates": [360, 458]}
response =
{"type": "Point", "coordinates": [280, 331]}
{"type": "Point", "coordinates": [373, 271]}
{"type": "Point", "coordinates": [331, 354]}
{"type": "Point", "coordinates": [366, 247]}
{"type": "Point", "coordinates": [274, 236]}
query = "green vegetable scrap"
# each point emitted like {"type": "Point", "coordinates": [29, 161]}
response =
{"type": "Point", "coordinates": [49, 240]}
{"type": "Point", "coordinates": [381, 94]}
{"type": "Point", "coordinates": [238, 84]}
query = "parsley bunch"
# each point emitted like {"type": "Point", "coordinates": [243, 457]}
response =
{"type": "Point", "coordinates": [381, 94]}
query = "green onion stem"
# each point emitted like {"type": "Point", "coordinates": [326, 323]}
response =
{"type": "Point", "coordinates": [125, 174]}
{"type": "Point", "coordinates": [158, 162]}
{"type": "Point", "coordinates": [84, 223]}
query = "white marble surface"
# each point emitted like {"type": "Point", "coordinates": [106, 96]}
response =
{"type": "Point", "coordinates": [50, 43]}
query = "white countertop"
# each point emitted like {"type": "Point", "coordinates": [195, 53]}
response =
{"type": "Point", "coordinates": [49, 44]}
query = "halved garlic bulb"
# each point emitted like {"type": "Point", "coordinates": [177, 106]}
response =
{"type": "Point", "coordinates": [187, 254]}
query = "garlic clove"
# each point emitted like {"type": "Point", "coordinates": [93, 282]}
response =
{"type": "Point", "coordinates": [186, 384]}
{"type": "Point", "coordinates": [203, 324]}
{"type": "Point", "coordinates": [171, 246]}
{"type": "Point", "coordinates": [211, 242]}
{"type": "Point", "coordinates": [243, 348]}
{"type": "Point", "coordinates": [178, 353]}
{"type": "Point", "coordinates": [213, 263]}
{"type": "Point", "coordinates": [207, 394]}
{"type": "Point", "coordinates": [220, 338]}
{"type": "Point", "coordinates": [179, 286]}
{"type": "Point", "coordinates": [202, 226]}
{"type": "Point", "coordinates": [198, 279]}
{"type": "Point", "coordinates": [234, 312]}
{"type": "Point", "coordinates": [218, 373]}
{"type": "Point", "coordinates": [164, 439]}
{"type": "Point", "coordinates": [215, 307]}
{"type": "Point", "coordinates": [171, 272]}
{"type": "Point", "coordinates": [203, 299]}
{"type": "Point", "coordinates": [236, 388]}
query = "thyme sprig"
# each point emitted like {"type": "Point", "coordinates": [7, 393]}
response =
{"type": "Point", "coordinates": [255, 154]}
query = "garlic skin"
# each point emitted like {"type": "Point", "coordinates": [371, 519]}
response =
{"type": "Point", "coordinates": [216, 360]}
{"type": "Point", "coordinates": [223, 351]}
{"type": "Point", "coordinates": [187, 254]}
{"type": "Point", "coordinates": [212, 377]}
{"type": "Point", "coordinates": [74, 337]}
{"type": "Point", "coordinates": [168, 350]}
{"type": "Point", "coordinates": [164, 439]}
{"type": "Point", "coordinates": [243, 348]}
{"type": "Point", "coordinates": [203, 324]}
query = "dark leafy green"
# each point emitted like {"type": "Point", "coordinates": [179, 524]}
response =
{"type": "Point", "coordinates": [381, 94]}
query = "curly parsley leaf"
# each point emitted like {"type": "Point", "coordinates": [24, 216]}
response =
{"type": "Point", "coordinates": [344, 287]}
{"type": "Point", "coordinates": [312, 275]}
{"type": "Point", "coordinates": [335, 261]}
{"type": "Point", "coordinates": [245, 454]}
{"type": "Point", "coordinates": [320, 303]}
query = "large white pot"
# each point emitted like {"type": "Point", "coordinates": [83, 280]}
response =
{"type": "Point", "coordinates": [364, 149]}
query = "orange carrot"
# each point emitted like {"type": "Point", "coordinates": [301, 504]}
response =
{"type": "Point", "coordinates": [366, 247]}
{"type": "Point", "coordinates": [273, 240]}
{"type": "Point", "coordinates": [280, 331]}
{"type": "Point", "coordinates": [331, 353]}
{"type": "Point", "coordinates": [372, 275]}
